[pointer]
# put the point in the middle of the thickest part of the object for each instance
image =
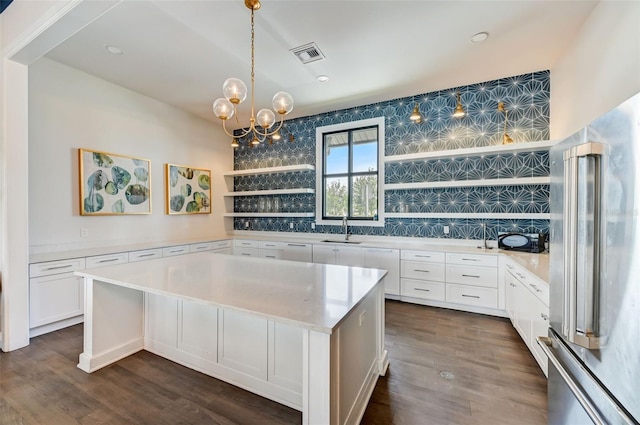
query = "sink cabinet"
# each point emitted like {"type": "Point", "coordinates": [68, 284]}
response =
{"type": "Point", "coordinates": [340, 255]}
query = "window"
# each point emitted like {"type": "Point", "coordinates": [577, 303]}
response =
{"type": "Point", "coordinates": [349, 173]}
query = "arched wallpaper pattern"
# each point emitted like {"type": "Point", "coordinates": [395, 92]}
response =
{"type": "Point", "coordinates": [526, 97]}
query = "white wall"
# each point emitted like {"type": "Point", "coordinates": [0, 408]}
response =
{"type": "Point", "coordinates": [69, 109]}
{"type": "Point", "coordinates": [600, 70]}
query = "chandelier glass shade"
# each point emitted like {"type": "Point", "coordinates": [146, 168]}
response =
{"type": "Point", "coordinates": [261, 124]}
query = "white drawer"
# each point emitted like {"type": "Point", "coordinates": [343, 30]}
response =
{"type": "Point", "coordinates": [472, 295]}
{"type": "Point", "coordinates": [241, 243]}
{"type": "Point", "coordinates": [145, 254]}
{"type": "Point", "coordinates": [431, 256]}
{"type": "Point", "coordinates": [56, 267]}
{"type": "Point", "coordinates": [472, 259]}
{"type": "Point", "coordinates": [274, 254]}
{"type": "Point", "coordinates": [201, 247]}
{"type": "Point", "coordinates": [246, 252]}
{"type": "Point", "coordinates": [271, 245]}
{"type": "Point", "coordinates": [476, 276]}
{"type": "Point", "coordinates": [422, 289]}
{"type": "Point", "coordinates": [170, 251]}
{"type": "Point", "coordinates": [222, 244]}
{"type": "Point", "coordinates": [422, 270]}
{"type": "Point", "coordinates": [539, 288]}
{"type": "Point", "coordinates": [107, 260]}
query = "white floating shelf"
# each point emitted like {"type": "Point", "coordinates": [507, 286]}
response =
{"type": "Point", "coordinates": [274, 214]}
{"type": "Point", "coordinates": [271, 170]}
{"type": "Point", "coordinates": [270, 192]}
{"type": "Point", "coordinates": [496, 216]}
{"type": "Point", "coordinates": [485, 150]}
{"type": "Point", "coordinates": [469, 183]}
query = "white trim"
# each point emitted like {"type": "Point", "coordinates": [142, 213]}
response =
{"type": "Point", "coordinates": [380, 122]}
{"type": "Point", "coordinates": [470, 183]}
{"type": "Point", "coordinates": [485, 150]}
{"type": "Point", "coordinates": [497, 216]}
{"type": "Point", "coordinates": [270, 192]}
{"type": "Point", "coordinates": [271, 170]}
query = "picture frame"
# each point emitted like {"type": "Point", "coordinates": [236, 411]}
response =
{"type": "Point", "coordinates": [113, 184]}
{"type": "Point", "coordinates": [188, 190]}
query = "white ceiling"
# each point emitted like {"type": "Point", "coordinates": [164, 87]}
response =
{"type": "Point", "coordinates": [180, 52]}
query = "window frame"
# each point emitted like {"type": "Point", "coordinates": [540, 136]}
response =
{"type": "Point", "coordinates": [378, 122]}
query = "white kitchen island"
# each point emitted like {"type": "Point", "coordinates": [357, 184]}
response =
{"type": "Point", "coordinates": [310, 336]}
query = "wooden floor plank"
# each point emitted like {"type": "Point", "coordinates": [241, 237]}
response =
{"type": "Point", "coordinates": [447, 367]}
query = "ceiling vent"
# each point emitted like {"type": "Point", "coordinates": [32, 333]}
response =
{"type": "Point", "coordinates": [308, 53]}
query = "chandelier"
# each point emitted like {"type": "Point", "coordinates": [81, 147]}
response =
{"type": "Point", "coordinates": [235, 92]}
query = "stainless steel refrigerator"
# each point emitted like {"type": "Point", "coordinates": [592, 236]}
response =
{"type": "Point", "coordinates": [594, 335]}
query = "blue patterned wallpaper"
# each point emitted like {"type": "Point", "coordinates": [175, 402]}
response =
{"type": "Point", "coordinates": [526, 97]}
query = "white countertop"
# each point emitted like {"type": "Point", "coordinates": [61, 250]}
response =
{"type": "Point", "coordinates": [312, 296]}
{"type": "Point", "coordinates": [538, 264]}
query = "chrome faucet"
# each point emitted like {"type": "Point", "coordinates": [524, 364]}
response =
{"type": "Point", "coordinates": [345, 226]}
{"type": "Point", "coordinates": [484, 237]}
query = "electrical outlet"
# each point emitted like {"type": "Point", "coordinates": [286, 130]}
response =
{"type": "Point", "coordinates": [446, 230]}
{"type": "Point", "coordinates": [84, 233]}
{"type": "Point", "coordinates": [313, 226]}
{"type": "Point", "coordinates": [246, 224]}
{"type": "Point", "coordinates": [291, 225]}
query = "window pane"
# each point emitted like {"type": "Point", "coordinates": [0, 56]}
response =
{"type": "Point", "coordinates": [335, 202]}
{"type": "Point", "coordinates": [365, 156]}
{"type": "Point", "coordinates": [336, 153]}
{"type": "Point", "coordinates": [364, 202]}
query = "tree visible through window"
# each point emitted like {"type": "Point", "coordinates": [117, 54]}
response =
{"type": "Point", "coordinates": [350, 173]}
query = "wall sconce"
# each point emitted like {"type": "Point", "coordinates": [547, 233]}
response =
{"type": "Point", "coordinates": [459, 111]}
{"type": "Point", "coordinates": [505, 137]}
{"type": "Point", "coordinates": [416, 116]}
{"type": "Point", "coordinates": [234, 143]}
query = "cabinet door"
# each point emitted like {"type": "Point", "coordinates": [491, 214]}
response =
{"type": "Point", "coordinates": [511, 286]}
{"type": "Point", "coordinates": [274, 254]}
{"type": "Point", "coordinates": [349, 256]}
{"type": "Point", "coordinates": [386, 259]}
{"type": "Point", "coordinates": [539, 327]}
{"type": "Point", "coordinates": [53, 298]}
{"type": "Point", "coordinates": [522, 304]}
{"type": "Point", "coordinates": [242, 343]}
{"type": "Point", "coordinates": [198, 329]}
{"type": "Point", "coordinates": [324, 254]}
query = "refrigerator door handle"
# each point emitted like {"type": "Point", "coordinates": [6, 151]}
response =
{"type": "Point", "coordinates": [586, 337]}
{"type": "Point", "coordinates": [545, 343]}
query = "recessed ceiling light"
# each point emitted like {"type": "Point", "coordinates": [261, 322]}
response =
{"type": "Point", "coordinates": [114, 50]}
{"type": "Point", "coordinates": [322, 78]}
{"type": "Point", "coordinates": [479, 37]}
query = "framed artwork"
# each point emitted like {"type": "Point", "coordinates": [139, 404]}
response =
{"type": "Point", "coordinates": [112, 184]}
{"type": "Point", "coordinates": [188, 190]}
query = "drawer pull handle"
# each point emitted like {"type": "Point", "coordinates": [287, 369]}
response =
{"type": "Point", "coordinates": [420, 289]}
{"type": "Point", "coordinates": [471, 275]}
{"type": "Point", "coordinates": [270, 256]}
{"type": "Point", "coordinates": [535, 287]}
{"type": "Point", "coordinates": [423, 256]}
{"type": "Point", "coordinates": [470, 259]}
{"type": "Point", "coordinates": [200, 247]}
{"type": "Point", "coordinates": [176, 250]}
{"type": "Point", "coordinates": [296, 244]}
{"type": "Point", "coordinates": [59, 267]}
{"type": "Point", "coordinates": [246, 255]}
{"type": "Point", "coordinates": [107, 260]}
{"type": "Point", "coordinates": [269, 244]}
{"type": "Point", "coordinates": [146, 255]}
{"type": "Point", "coordinates": [470, 296]}
{"type": "Point", "coordinates": [544, 317]}
{"type": "Point", "coordinates": [423, 271]}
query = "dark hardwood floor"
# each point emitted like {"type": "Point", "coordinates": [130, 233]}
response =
{"type": "Point", "coordinates": [447, 367]}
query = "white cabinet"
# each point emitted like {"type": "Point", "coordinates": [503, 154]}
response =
{"type": "Point", "coordinates": [107, 260]}
{"type": "Point", "coordinates": [385, 259]}
{"type": "Point", "coordinates": [246, 248]}
{"type": "Point", "coordinates": [170, 251]}
{"type": "Point", "coordinates": [341, 255]}
{"type": "Point", "coordinates": [472, 279]}
{"type": "Point", "coordinates": [221, 247]}
{"type": "Point", "coordinates": [528, 308]}
{"type": "Point", "coordinates": [145, 254]}
{"type": "Point", "coordinates": [242, 343]}
{"type": "Point", "coordinates": [56, 296]}
{"type": "Point", "coordinates": [422, 275]}
{"type": "Point", "coordinates": [298, 252]}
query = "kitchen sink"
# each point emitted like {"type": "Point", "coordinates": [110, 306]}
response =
{"type": "Point", "coordinates": [340, 241]}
